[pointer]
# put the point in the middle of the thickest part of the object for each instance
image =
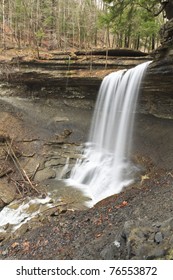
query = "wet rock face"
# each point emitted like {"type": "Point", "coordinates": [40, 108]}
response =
{"type": "Point", "coordinates": [157, 86]}
{"type": "Point", "coordinates": [154, 123]}
{"type": "Point", "coordinates": [154, 133]}
{"type": "Point", "coordinates": [156, 93]}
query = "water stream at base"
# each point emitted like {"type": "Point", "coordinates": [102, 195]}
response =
{"type": "Point", "coordinates": [105, 167]}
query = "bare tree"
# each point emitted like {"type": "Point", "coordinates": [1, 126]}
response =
{"type": "Point", "coordinates": [3, 24]}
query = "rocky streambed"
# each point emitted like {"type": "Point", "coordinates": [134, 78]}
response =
{"type": "Point", "coordinates": [37, 151]}
{"type": "Point", "coordinates": [45, 118]}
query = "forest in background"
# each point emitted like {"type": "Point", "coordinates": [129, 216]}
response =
{"type": "Point", "coordinates": [80, 24]}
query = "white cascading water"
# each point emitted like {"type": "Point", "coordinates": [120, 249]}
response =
{"type": "Point", "coordinates": [105, 167]}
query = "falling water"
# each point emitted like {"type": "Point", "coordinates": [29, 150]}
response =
{"type": "Point", "coordinates": [105, 167]}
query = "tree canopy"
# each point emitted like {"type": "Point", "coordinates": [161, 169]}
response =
{"type": "Point", "coordinates": [133, 22]}
{"type": "Point", "coordinates": [83, 24]}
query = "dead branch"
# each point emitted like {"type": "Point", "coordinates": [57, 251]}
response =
{"type": "Point", "coordinates": [30, 155]}
{"type": "Point", "coordinates": [29, 140]}
{"type": "Point", "coordinates": [18, 187]}
{"type": "Point", "coordinates": [35, 171]}
{"type": "Point", "coordinates": [22, 172]}
{"type": "Point", "coordinates": [5, 172]}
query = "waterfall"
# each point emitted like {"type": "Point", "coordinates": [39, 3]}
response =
{"type": "Point", "coordinates": [105, 167]}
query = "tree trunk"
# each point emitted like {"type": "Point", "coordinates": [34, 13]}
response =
{"type": "Point", "coordinates": [153, 42]}
{"type": "Point", "coordinates": [3, 25]}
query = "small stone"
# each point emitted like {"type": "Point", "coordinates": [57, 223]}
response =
{"type": "Point", "coordinates": [158, 237]}
{"type": "Point", "coordinates": [5, 252]}
{"type": "Point", "coordinates": [157, 224]}
{"type": "Point", "coordinates": [117, 244]}
{"type": "Point", "coordinates": [62, 209]}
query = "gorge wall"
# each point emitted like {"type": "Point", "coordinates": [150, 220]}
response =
{"type": "Point", "coordinates": [74, 79]}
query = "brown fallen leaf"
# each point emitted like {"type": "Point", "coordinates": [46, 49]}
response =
{"type": "Point", "coordinates": [14, 245]}
{"type": "Point", "coordinates": [123, 204]}
{"type": "Point", "coordinates": [26, 245]}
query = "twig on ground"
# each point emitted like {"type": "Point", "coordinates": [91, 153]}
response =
{"type": "Point", "coordinates": [31, 155]}
{"type": "Point", "coordinates": [29, 140]}
{"type": "Point", "coordinates": [35, 171]}
{"type": "Point", "coordinates": [5, 172]}
{"type": "Point", "coordinates": [22, 172]}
